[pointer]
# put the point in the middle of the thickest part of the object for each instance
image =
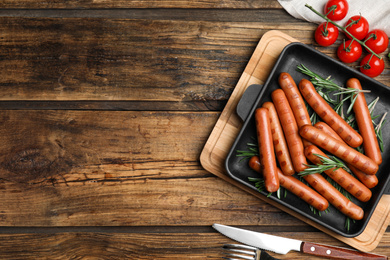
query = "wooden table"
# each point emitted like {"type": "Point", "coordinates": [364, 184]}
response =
{"type": "Point", "coordinates": [105, 109]}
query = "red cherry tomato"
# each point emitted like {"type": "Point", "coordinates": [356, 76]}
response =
{"type": "Point", "coordinates": [336, 10]}
{"type": "Point", "coordinates": [371, 65]}
{"type": "Point", "coordinates": [377, 41]}
{"type": "Point", "coordinates": [349, 51]}
{"type": "Point", "coordinates": [326, 34]}
{"type": "Point", "coordinates": [358, 26]}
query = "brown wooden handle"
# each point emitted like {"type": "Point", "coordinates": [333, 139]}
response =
{"type": "Point", "coordinates": [337, 252]}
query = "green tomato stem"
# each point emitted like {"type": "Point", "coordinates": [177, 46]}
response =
{"type": "Point", "coordinates": [343, 29]}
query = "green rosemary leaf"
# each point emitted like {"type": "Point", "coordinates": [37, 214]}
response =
{"type": "Point", "coordinates": [327, 164]}
{"type": "Point", "coordinates": [378, 131]}
{"type": "Point", "coordinates": [347, 224]}
{"type": "Point", "coordinates": [380, 139]}
{"type": "Point", "coordinates": [252, 150]}
{"type": "Point", "coordinates": [326, 87]}
{"type": "Point", "coordinates": [259, 184]}
{"type": "Point", "coordinates": [353, 100]}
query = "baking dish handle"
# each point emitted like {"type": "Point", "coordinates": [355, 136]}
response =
{"type": "Point", "coordinates": [247, 100]}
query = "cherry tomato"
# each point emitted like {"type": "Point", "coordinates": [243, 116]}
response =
{"type": "Point", "coordinates": [349, 51]}
{"type": "Point", "coordinates": [358, 26]}
{"type": "Point", "coordinates": [371, 65]}
{"type": "Point", "coordinates": [326, 34]}
{"type": "Point", "coordinates": [377, 41]}
{"type": "Point", "coordinates": [336, 10]}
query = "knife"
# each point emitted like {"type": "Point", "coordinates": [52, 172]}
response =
{"type": "Point", "coordinates": [283, 245]}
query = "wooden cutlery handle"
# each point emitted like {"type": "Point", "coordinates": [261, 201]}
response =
{"type": "Point", "coordinates": [337, 252]}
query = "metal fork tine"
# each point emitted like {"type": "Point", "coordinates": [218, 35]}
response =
{"type": "Point", "coordinates": [244, 252]}
{"type": "Point", "coordinates": [228, 258]}
{"type": "Point", "coordinates": [241, 256]}
{"type": "Point", "coordinates": [240, 246]}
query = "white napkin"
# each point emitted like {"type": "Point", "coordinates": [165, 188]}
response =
{"type": "Point", "coordinates": [377, 12]}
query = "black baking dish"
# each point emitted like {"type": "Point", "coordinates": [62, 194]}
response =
{"type": "Point", "coordinates": [293, 55]}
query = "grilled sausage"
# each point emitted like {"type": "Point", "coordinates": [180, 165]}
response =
{"type": "Point", "coordinates": [296, 187]}
{"type": "Point", "coordinates": [329, 192]}
{"type": "Point", "coordinates": [326, 112]}
{"type": "Point", "coordinates": [340, 176]}
{"type": "Point", "coordinates": [369, 180]}
{"type": "Point", "coordinates": [364, 122]}
{"type": "Point", "coordinates": [280, 145]}
{"type": "Point", "coordinates": [339, 149]}
{"type": "Point", "coordinates": [290, 129]}
{"type": "Point", "coordinates": [302, 117]}
{"type": "Point", "coordinates": [266, 150]}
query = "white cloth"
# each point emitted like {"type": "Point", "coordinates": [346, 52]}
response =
{"type": "Point", "coordinates": [377, 12]}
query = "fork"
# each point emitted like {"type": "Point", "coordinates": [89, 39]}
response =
{"type": "Point", "coordinates": [238, 252]}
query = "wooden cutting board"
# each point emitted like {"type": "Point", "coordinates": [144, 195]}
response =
{"type": "Point", "coordinates": [229, 124]}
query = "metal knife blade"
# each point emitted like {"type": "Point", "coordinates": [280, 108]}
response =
{"type": "Point", "coordinates": [272, 243]}
{"type": "Point", "coordinates": [283, 245]}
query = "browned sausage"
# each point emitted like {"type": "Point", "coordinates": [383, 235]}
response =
{"type": "Point", "coordinates": [290, 129]}
{"type": "Point", "coordinates": [369, 180]}
{"type": "Point", "coordinates": [334, 197]}
{"type": "Point", "coordinates": [339, 149]}
{"type": "Point", "coordinates": [340, 176]}
{"type": "Point", "coordinates": [295, 99]}
{"type": "Point", "coordinates": [302, 117]}
{"type": "Point", "coordinates": [326, 112]}
{"type": "Point", "coordinates": [364, 122]}
{"type": "Point", "coordinates": [296, 187]}
{"type": "Point", "coordinates": [280, 144]}
{"type": "Point", "coordinates": [266, 150]}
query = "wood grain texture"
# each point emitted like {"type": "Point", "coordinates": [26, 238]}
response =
{"type": "Point", "coordinates": [151, 245]}
{"type": "Point", "coordinates": [38, 146]}
{"type": "Point", "coordinates": [106, 168]}
{"type": "Point", "coordinates": [143, 201]}
{"type": "Point", "coordinates": [220, 4]}
{"type": "Point", "coordinates": [132, 60]}
{"type": "Point", "coordinates": [107, 59]}
{"type": "Point", "coordinates": [104, 109]}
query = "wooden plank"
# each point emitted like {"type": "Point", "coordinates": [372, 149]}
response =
{"type": "Point", "coordinates": [129, 60]}
{"type": "Point", "coordinates": [107, 59]}
{"type": "Point", "coordinates": [141, 246]}
{"type": "Point", "coordinates": [187, 14]}
{"type": "Point", "coordinates": [152, 199]}
{"type": "Point", "coordinates": [37, 145]}
{"type": "Point", "coordinates": [116, 168]}
{"type": "Point", "coordinates": [205, 105]}
{"type": "Point", "coordinates": [75, 4]}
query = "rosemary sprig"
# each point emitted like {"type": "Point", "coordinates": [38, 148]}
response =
{"type": "Point", "coordinates": [260, 185]}
{"type": "Point", "coordinates": [326, 83]}
{"type": "Point", "coordinates": [347, 224]}
{"type": "Point", "coordinates": [326, 86]}
{"type": "Point", "coordinates": [378, 127]}
{"type": "Point", "coordinates": [371, 106]}
{"type": "Point", "coordinates": [247, 154]}
{"type": "Point", "coordinates": [378, 131]}
{"type": "Point", "coordinates": [326, 164]}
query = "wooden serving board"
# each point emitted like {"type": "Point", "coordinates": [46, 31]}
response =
{"type": "Point", "coordinates": [229, 124]}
